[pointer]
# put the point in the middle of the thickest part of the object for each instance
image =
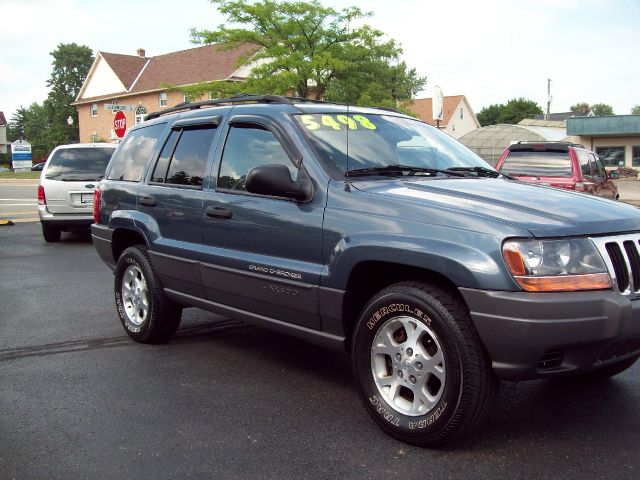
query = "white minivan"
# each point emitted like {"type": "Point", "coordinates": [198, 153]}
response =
{"type": "Point", "coordinates": [67, 182]}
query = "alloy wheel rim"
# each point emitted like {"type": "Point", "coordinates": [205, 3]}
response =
{"type": "Point", "coordinates": [135, 295]}
{"type": "Point", "coordinates": [408, 367]}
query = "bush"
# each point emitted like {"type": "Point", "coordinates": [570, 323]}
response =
{"type": "Point", "coordinates": [627, 172]}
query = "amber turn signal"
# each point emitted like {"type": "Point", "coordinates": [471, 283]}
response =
{"type": "Point", "coordinates": [564, 283]}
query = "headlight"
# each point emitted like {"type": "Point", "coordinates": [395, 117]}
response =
{"type": "Point", "coordinates": [556, 265]}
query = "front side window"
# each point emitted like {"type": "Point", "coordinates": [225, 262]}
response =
{"type": "Point", "coordinates": [598, 167]}
{"type": "Point", "coordinates": [78, 164]}
{"type": "Point", "coordinates": [184, 157]}
{"type": "Point", "coordinates": [537, 164]}
{"type": "Point", "coordinates": [347, 142]}
{"type": "Point", "coordinates": [133, 155]}
{"type": "Point", "coordinates": [248, 146]}
{"type": "Point", "coordinates": [583, 158]}
{"type": "Point", "coordinates": [611, 156]}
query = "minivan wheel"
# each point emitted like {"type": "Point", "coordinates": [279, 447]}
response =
{"type": "Point", "coordinates": [146, 314]}
{"type": "Point", "coordinates": [50, 233]}
{"type": "Point", "coordinates": [421, 369]}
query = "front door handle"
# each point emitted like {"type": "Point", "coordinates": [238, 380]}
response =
{"type": "Point", "coordinates": [219, 212]}
{"type": "Point", "coordinates": [148, 201]}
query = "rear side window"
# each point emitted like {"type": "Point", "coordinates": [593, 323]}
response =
{"type": "Point", "coordinates": [537, 164]}
{"type": "Point", "coordinates": [184, 157]}
{"type": "Point", "coordinates": [129, 164]}
{"type": "Point", "coordinates": [78, 164]}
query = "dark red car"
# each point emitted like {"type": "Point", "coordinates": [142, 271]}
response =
{"type": "Point", "coordinates": [558, 164]}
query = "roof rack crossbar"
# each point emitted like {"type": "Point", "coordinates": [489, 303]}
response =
{"type": "Point", "coordinates": [240, 98]}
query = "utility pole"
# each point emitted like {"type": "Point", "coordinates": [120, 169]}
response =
{"type": "Point", "coordinates": [546, 117]}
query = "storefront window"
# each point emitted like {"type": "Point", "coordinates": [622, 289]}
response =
{"type": "Point", "coordinates": [611, 156]}
{"type": "Point", "coordinates": [635, 156]}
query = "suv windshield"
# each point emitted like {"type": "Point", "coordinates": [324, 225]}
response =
{"type": "Point", "coordinates": [537, 164]}
{"type": "Point", "coordinates": [78, 164]}
{"type": "Point", "coordinates": [349, 143]}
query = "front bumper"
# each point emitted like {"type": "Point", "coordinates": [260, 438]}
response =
{"type": "Point", "coordinates": [534, 335]}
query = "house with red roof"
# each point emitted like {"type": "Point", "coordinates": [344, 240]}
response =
{"type": "Point", "coordinates": [138, 85]}
{"type": "Point", "coordinates": [458, 116]}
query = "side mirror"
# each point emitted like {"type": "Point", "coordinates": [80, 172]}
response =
{"type": "Point", "coordinates": [614, 175]}
{"type": "Point", "coordinates": [275, 180]}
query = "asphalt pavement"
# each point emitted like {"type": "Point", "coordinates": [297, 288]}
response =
{"type": "Point", "coordinates": [225, 400]}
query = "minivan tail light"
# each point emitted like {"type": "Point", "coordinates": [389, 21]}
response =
{"type": "Point", "coordinates": [42, 200]}
{"type": "Point", "coordinates": [96, 204]}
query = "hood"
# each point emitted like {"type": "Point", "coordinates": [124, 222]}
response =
{"type": "Point", "coordinates": [544, 211]}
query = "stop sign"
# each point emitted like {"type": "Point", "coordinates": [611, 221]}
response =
{"type": "Point", "coordinates": [120, 124]}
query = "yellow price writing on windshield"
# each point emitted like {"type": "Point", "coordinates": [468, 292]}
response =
{"type": "Point", "coordinates": [336, 122]}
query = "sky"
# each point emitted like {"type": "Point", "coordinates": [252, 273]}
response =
{"type": "Point", "coordinates": [489, 50]}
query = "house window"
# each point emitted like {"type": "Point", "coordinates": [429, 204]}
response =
{"type": "Point", "coordinates": [635, 156]}
{"type": "Point", "coordinates": [186, 98]}
{"type": "Point", "coordinates": [141, 114]}
{"type": "Point", "coordinates": [461, 113]}
{"type": "Point", "coordinates": [611, 156]}
{"type": "Point", "coordinates": [163, 99]}
{"type": "Point", "coordinates": [94, 109]}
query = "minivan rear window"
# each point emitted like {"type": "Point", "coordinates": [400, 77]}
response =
{"type": "Point", "coordinates": [78, 164]}
{"type": "Point", "coordinates": [537, 164]}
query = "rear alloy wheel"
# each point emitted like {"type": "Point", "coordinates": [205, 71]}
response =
{"type": "Point", "coordinates": [146, 314]}
{"type": "Point", "coordinates": [50, 233]}
{"type": "Point", "coordinates": [421, 369]}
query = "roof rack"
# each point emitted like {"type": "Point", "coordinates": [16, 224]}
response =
{"type": "Point", "coordinates": [555, 142]}
{"type": "Point", "coordinates": [389, 109]}
{"type": "Point", "coordinates": [240, 98]}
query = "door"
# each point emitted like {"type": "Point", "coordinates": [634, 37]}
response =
{"type": "Point", "coordinates": [604, 186]}
{"type": "Point", "coordinates": [261, 254]}
{"type": "Point", "coordinates": [171, 207]}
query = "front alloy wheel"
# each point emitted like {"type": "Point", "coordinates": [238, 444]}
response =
{"type": "Point", "coordinates": [408, 366]}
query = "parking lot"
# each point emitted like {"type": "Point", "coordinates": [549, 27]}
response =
{"type": "Point", "coordinates": [223, 399]}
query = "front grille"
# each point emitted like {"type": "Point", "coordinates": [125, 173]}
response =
{"type": "Point", "coordinates": [620, 254]}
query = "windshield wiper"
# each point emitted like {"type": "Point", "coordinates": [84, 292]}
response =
{"type": "Point", "coordinates": [399, 169]}
{"type": "Point", "coordinates": [480, 172]}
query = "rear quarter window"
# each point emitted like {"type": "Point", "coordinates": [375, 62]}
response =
{"type": "Point", "coordinates": [129, 163]}
{"type": "Point", "coordinates": [537, 164]}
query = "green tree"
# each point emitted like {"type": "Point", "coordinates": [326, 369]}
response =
{"type": "Point", "coordinates": [601, 109]}
{"type": "Point", "coordinates": [489, 115]}
{"type": "Point", "coordinates": [583, 108]}
{"type": "Point", "coordinates": [635, 110]}
{"type": "Point", "coordinates": [32, 124]}
{"type": "Point", "coordinates": [310, 50]}
{"type": "Point", "coordinates": [512, 112]}
{"type": "Point", "coordinates": [71, 64]}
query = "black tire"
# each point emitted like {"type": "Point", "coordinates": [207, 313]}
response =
{"type": "Point", "coordinates": [50, 233]}
{"type": "Point", "coordinates": [449, 364]}
{"type": "Point", "coordinates": [146, 314]}
{"type": "Point", "coordinates": [608, 371]}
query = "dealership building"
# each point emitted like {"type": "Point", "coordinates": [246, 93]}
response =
{"type": "Point", "coordinates": [138, 85]}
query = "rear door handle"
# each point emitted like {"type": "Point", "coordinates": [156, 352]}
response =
{"type": "Point", "coordinates": [219, 212]}
{"type": "Point", "coordinates": [148, 201]}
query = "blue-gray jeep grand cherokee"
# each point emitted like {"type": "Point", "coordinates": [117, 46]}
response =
{"type": "Point", "coordinates": [367, 230]}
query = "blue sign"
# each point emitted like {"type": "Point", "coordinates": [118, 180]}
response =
{"type": "Point", "coordinates": [20, 156]}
